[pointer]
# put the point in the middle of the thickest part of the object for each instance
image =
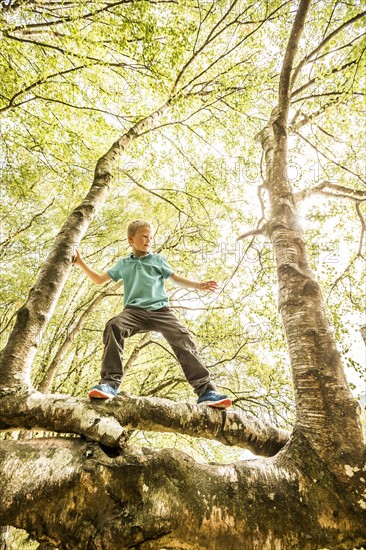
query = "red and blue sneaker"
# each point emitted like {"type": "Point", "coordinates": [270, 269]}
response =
{"type": "Point", "coordinates": [102, 391]}
{"type": "Point", "coordinates": [214, 399]}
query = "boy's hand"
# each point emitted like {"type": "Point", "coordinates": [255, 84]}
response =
{"type": "Point", "coordinates": [209, 285]}
{"type": "Point", "coordinates": [186, 283]}
{"type": "Point", "coordinates": [97, 278]}
{"type": "Point", "coordinates": [76, 257]}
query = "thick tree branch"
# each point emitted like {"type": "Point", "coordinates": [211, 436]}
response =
{"type": "Point", "coordinates": [259, 231]}
{"type": "Point", "coordinates": [148, 497]}
{"type": "Point", "coordinates": [290, 54]}
{"type": "Point", "coordinates": [106, 421]}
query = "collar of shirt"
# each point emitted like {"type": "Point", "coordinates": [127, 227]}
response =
{"type": "Point", "coordinates": [139, 257]}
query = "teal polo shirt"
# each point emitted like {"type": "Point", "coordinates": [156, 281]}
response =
{"type": "Point", "coordinates": [143, 279]}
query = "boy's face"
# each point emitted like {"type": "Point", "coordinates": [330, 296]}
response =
{"type": "Point", "coordinates": [141, 241]}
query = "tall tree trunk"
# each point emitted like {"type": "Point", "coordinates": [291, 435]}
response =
{"type": "Point", "coordinates": [326, 412]}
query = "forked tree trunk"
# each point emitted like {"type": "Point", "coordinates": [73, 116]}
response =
{"type": "Point", "coordinates": [80, 497]}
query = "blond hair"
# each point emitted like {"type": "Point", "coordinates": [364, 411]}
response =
{"type": "Point", "coordinates": [135, 225]}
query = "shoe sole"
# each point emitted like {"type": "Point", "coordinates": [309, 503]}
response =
{"type": "Point", "coordinates": [97, 394]}
{"type": "Point", "coordinates": [223, 404]}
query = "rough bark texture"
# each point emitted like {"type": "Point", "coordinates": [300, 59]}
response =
{"type": "Point", "coordinates": [107, 422]}
{"type": "Point", "coordinates": [152, 500]}
{"type": "Point", "coordinates": [326, 411]}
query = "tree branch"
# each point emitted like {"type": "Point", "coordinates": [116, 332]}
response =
{"type": "Point", "coordinates": [73, 54]}
{"type": "Point", "coordinates": [67, 19]}
{"type": "Point", "coordinates": [322, 44]}
{"type": "Point", "coordinates": [287, 67]}
{"type": "Point", "coordinates": [148, 497]}
{"type": "Point", "coordinates": [313, 80]}
{"type": "Point", "coordinates": [295, 126]}
{"type": "Point", "coordinates": [259, 231]}
{"type": "Point", "coordinates": [144, 341]}
{"type": "Point", "coordinates": [331, 190]}
{"type": "Point", "coordinates": [330, 159]}
{"type": "Point", "coordinates": [363, 229]}
{"type": "Point", "coordinates": [107, 421]}
{"type": "Point", "coordinates": [11, 103]}
{"type": "Point", "coordinates": [6, 242]}
{"type": "Point", "coordinates": [211, 36]}
{"type": "Point", "coordinates": [227, 52]}
{"type": "Point", "coordinates": [164, 499]}
{"type": "Point", "coordinates": [152, 192]}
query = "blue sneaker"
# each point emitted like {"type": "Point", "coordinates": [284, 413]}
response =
{"type": "Point", "coordinates": [103, 391]}
{"type": "Point", "coordinates": [214, 399]}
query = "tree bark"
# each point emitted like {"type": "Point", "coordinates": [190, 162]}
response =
{"type": "Point", "coordinates": [326, 412]}
{"type": "Point", "coordinates": [163, 499]}
{"type": "Point", "coordinates": [107, 422]}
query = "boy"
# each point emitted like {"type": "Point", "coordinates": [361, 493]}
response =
{"type": "Point", "coordinates": [146, 308]}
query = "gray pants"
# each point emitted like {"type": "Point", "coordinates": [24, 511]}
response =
{"type": "Point", "coordinates": [133, 320]}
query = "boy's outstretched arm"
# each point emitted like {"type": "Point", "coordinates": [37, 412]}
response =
{"type": "Point", "coordinates": [186, 283]}
{"type": "Point", "coordinates": [98, 278]}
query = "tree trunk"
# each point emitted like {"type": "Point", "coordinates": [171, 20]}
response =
{"type": "Point", "coordinates": [326, 412]}
{"type": "Point", "coordinates": [152, 500]}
